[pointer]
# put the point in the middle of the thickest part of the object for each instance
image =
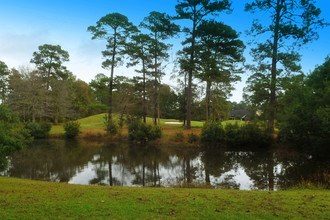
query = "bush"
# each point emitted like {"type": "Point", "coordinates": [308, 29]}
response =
{"type": "Point", "coordinates": [13, 135]}
{"type": "Point", "coordinates": [111, 126]}
{"type": "Point", "coordinates": [179, 136]}
{"type": "Point", "coordinates": [72, 129]}
{"type": "Point", "coordinates": [155, 132]}
{"type": "Point", "coordinates": [251, 134]}
{"type": "Point", "coordinates": [38, 130]}
{"type": "Point", "coordinates": [192, 138]}
{"type": "Point", "coordinates": [213, 132]}
{"type": "Point", "coordinates": [235, 135]}
{"type": "Point", "coordinates": [139, 131]}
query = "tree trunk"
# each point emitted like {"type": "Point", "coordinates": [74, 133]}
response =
{"type": "Point", "coordinates": [271, 171]}
{"type": "Point", "coordinates": [190, 75]}
{"type": "Point", "coordinates": [189, 99]}
{"type": "Point", "coordinates": [144, 92]}
{"type": "Point", "coordinates": [188, 170]}
{"type": "Point", "coordinates": [207, 99]}
{"type": "Point", "coordinates": [156, 81]}
{"type": "Point", "coordinates": [158, 108]}
{"type": "Point", "coordinates": [207, 177]}
{"type": "Point", "coordinates": [272, 101]}
{"type": "Point", "coordinates": [155, 109]}
{"type": "Point", "coordinates": [143, 173]}
{"type": "Point", "coordinates": [110, 172]}
{"type": "Point", "coordinates": [185, 100]}
{"type": "Point", "coordinates": [111, 77]}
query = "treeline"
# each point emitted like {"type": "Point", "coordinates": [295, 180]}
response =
{"type": "Point", "coordinates": [210, 61]}
{"type": "Point", "coordinates": [302, 107]}
{"type": "Point", "coordinates": [56, 95]}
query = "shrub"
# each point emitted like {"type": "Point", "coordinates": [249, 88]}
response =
{"type": "Point", "coordinates": [233, 134]}
{"type": "Point", "coordinates": [248, 134]}
{"type": "Point", "coordinates": [213, 132]}
{"type": "Point", "coordinates": [111, 126]}
{"type": "Point", "coordinates": [38, 130]}
{"type": "Point", "coordinates": [179, 136]}
{"type": "Point", "coordinates": [155, 132]}
{"type": "Point", "coordinates": [13, 135]}
{"type": "Point", "coordinates": [72, 129]}
{"type": "Point", "coordinates": [192, 138]}
{"type": "Point", "coordinates": [252, 134]}
{"type": "Point", "coordinates": [139, 131]}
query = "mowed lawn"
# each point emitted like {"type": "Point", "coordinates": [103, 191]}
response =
{"type": "Point", "coordinates": [26, 199]}
{"type": "Point", "coordinates": [96, 123]}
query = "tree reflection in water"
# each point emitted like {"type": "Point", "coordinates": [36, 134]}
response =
{"type": "Point", "coordinates": [144, 165]}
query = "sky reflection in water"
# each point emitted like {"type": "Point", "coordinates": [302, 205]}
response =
{"type": "Point", "coordinates": [91, 163]}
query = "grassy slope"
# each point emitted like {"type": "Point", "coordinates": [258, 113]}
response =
{"type": "Point", "coordinates": [25, 199]}
{"type": "Point", "coordinates": [96, 123]}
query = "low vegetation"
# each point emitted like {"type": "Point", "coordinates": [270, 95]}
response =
{"type": "Point", "coordinates": [13, 134]}
{"type": "Point", "coordinates": [170, 131]}
{"type": "Point", "coordinates": [142, 132]}
{"type": "Point", "coordinates": [246, 134]}
{"type": "Point", "coordinates": [26, 199]}
{"type": "Point", "coordinates": [72, 129]}
{"type": "Point", "coordinates": [39, 129]}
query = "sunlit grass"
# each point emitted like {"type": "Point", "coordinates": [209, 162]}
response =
{"type": "Point", "coordinates": [97, 122]}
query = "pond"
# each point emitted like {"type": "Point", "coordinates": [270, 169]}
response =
{"type": "Point", "coordinates": [95, 163]}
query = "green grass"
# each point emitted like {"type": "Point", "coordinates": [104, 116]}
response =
{"type": "Point", "coordinates": [26, 199]}
{"type": "Point", "coordinates": [97, 122]}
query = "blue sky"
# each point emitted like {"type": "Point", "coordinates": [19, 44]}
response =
{"type": "Point", "coordinates": [27, 24]}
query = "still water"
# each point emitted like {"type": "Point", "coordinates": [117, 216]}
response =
{"type": "Point", "coordinates": [92, 163]}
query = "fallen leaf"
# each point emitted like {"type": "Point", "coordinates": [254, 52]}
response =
{"type": "Point", "coordinates": [172, 212]}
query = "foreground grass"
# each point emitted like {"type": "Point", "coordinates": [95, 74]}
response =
{"type": "Point", "coordinates": [25, 199]}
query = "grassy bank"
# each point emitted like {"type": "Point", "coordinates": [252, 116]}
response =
{"type": "Point", "coordinates": [93, 126]}
{"type": "Point", "coordinates": [25, 199]}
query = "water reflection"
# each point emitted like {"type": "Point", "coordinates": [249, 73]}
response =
{"type": "Point", "coordinates": [132, 165]}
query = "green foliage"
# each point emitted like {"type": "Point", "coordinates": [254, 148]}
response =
{"type": "Point", "coordinates": [82, 97]}
{"type": "Point", "coordinates": [178, 136]}
{"type": "Point", "coordinates": [277, 55]}
{"type": "Point", "coordinates": [49, 60]}
{"type": "Point", "coordinates": [304, 120]}
{"type": "Point", "coordinates": [114, 28]}
{"type": "Point", "coordinates": [4, 72]}
{"type": "Point", "coordinates": [71, 129]}
{"type": "Point", "coordinates": [233, 134]}
{"type": "Point", "coordinates": [195, 11]}
{"type": "Point", "coordinates": [248, 134]}
{"type": "Point", "coordinates": [112, 127]}
{"type": "Point", "coordinates": [97, 108]}
{"type": "Point", "coordinates": [155, 132]}
{"type": "Point", "coordinates": [13, 135]}
{"type": "Point", "coordinates": [213, 132]}
{"type": "Point", "coordinates": [142, 132]}
{"type": "Point", "coordinates": [39, 130]}
{"type": "Point", "coordinates": [193, 138]}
